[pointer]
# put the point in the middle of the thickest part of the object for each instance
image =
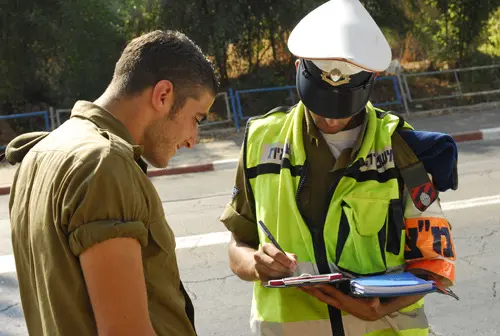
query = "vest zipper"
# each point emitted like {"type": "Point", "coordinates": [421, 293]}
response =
{"type": "Point", "coordinates": [303, 176]}
{"type": "Point", "coordinates": [317, 233]}
{"type": "Point", "coordinates": [337, 176]}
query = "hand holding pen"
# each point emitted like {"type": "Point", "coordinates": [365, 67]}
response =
{"type": "Point", "coordinates": [271, 261]}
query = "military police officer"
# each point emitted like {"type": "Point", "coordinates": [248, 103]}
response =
{"type": "Point", "coordinates": [338, 186]}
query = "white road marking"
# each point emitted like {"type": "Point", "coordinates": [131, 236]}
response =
{"type": "Point", "coordinates": [7, 264]}
{"type": "Point", "coordinates": [214, 238]}
{"type": "Point", "coordinates": [471, 203]}
{"type": "Point", "coordinates": [225, 164]}
{"type": "Point", "coordinates": [491, 133]}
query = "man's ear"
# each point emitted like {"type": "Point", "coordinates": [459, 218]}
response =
{"type": "Point", "coordinates": [162, 97]}
{"type": "Point", "coordinates": [297, 62]}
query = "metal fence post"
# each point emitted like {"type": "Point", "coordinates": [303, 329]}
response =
{"type": "Point", "coordinates": [403, 95]}
{"type": "Point", "coordinates": [47, 122]}
{"type": "Point", "coordinates": [292, 97]}
{"type": "Point", "coordinates": [233, 105]}
{"type": "Point", "coordinates": [458, 83]}
{"type": "Point", "coordinates": [53, 125]}
{"type": "Point", "coordinates": [228, 108]}
{"type": "Point", "coordinates": [58, 117]}
{"type": "Point", "coordinates": [238, 102]}
{"type": "Point", "coordinates": [405, 83]}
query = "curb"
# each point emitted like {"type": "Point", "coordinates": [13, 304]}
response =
{"type": "Point", "coordinates": [213, 166]}
{"type": "Point", "coordinates": [4, 190]}
{"type": "Point", "coordinates": [484, 134]}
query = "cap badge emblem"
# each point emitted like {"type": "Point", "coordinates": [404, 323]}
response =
{"type": "Point", "coordinates": [335, 77]}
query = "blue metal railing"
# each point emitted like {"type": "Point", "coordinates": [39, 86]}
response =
{"type": "Point", "coordinates": [396, 90]}
{"type": "Point", "coordinates": [45, 114]}
{"type": "Point", "coordinates": [237, 106]}
{"type": "Point", "coordinates": [234, 97]}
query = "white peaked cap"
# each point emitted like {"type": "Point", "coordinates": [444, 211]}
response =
{"type": "Point", "coordinates": [341, 34]}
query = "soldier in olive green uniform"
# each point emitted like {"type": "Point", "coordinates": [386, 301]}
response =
{"type": "Point", "coordinates": [93, 250]}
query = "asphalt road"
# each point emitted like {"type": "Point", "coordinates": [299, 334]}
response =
{"type": "Point", "coordinates": [193, 203]}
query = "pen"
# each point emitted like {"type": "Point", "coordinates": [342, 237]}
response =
{"type": "Point", "coordinates": [270, 236]}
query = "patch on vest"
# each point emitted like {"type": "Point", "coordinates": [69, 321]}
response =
{"type": "Point", "coordinates": [275, 153]}
{"type": "Point", "coordinates": [235, 193]}
{"type": "Point", "coordinates": [379, 161]}
{"type": "Point", "coordinates": [423, 196]}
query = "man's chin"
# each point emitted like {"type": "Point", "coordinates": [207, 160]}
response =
{"type": "Point", "coordinates": [333, 131]}
{"type": "Point", "coordinates": [159, 164]}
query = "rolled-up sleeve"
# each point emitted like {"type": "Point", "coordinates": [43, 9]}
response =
{"type": "Point", "coordinates": [104, 200]}
{"type": "Point", "coordinates": [96, 232]}
{"type": "Point", "coordinates": [238, 216]}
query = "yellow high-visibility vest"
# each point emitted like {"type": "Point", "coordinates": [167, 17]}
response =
{"type": "Point", "coordinates": [354, 235]}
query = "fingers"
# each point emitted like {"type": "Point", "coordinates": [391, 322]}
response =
{"type": "Point", "coordinates": [271, 263]}
{"type": "Point", "coordinates": [322, 296]}
{"type": "Point", "coordinates": [374, 302]}
{"type": "Point", "coordinates": [366, 309]}
{"type": "Point", "coordinates": [288, 260]}
{"type": "Point", "coordinates": [263, 259]}
{"type": "Point", "coordinates": [292, 256]}
{"type": "Point", "coordinates": [339, 295]}
{"type": "Point", "coordinates": [265, 273]}
{"type": "Point", "coordinates": [330, 290]}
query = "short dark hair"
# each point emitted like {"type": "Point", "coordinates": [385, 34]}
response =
{"type": "Point", "coordinates": [161, 55]}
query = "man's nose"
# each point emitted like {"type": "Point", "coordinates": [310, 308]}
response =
{"type": "Point", "coordinates": [189, 143]}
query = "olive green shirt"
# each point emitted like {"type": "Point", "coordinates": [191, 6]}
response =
{"type": "Point", "coordinates": [77, 186]}
{"type": "Point", "coordinates": [323, 172]}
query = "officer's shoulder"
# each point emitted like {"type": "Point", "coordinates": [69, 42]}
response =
{"type": "Point", "coordinates": [381, 114]}
{"type": "Point", "coordinates": [281, 109]}
{"type": "Point", "coordinates": [437, 151]}
{"type": "Point", "coordinates": [275, 111]}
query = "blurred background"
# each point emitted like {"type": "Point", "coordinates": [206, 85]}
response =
{"type": "Point", "coordinates": [52, 53]}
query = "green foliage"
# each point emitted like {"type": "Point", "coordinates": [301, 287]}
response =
{"type": "Point", "coordinates": [491, 44]}
{"type": "Point", "coordinates": [54, 52]}
{"type": "Point", "coordinates": [452, 28]}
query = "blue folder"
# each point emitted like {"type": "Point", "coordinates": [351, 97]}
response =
{"type": "Point", "coordinates": [388, 285]}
